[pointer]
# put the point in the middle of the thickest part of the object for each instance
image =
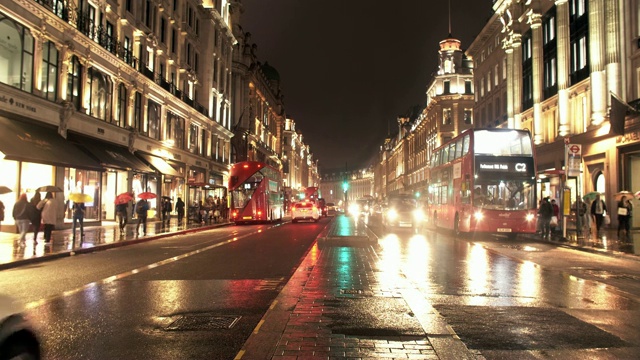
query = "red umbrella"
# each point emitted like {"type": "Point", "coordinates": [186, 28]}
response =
{"type": "Point", "coordinates": [147, 195]}
{"type": "Point", "coordinates": [123, 198]}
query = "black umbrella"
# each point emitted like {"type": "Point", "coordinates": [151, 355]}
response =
{"type": "Point", "coordinates": [168, 198]}
{"type": "Point", "coordinates": [49, 188]}
{"type": "Point", "coordinates": [4, 190]}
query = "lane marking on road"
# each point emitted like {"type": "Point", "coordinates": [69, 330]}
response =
{"type": "Point", "coordinates": [113, 278]}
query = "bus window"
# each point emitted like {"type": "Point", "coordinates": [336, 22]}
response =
{"type": "Point", "coordinates": [459, 148]}
{"type": "Point", "coordinates": [452, 151]}
{"type": "Point", "coordinates": [465, 145]}
{"type": "Point", "coordinates": [445, 154]}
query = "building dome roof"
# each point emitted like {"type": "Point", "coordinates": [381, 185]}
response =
{"type": "Point", "coordinates": [270, 72]}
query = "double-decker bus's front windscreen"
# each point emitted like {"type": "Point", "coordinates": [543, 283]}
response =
{"type": "Point", "coordinates": [242, 195]}
{"type": "Point", "coordinates": [504, 176]}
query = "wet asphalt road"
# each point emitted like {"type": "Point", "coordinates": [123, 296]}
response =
{"type": "Point", "coordinates": [521, 299]}
{"type": "Point", "coordinates": [199, 296]}
{"type": "Point", "coordinates": [195, 296]}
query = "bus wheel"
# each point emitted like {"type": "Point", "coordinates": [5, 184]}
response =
{"type": "Point", "coordinates": [456, 225]}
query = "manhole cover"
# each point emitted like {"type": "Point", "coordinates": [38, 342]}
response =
{"type": "Point", "coordinates": [202, 322]}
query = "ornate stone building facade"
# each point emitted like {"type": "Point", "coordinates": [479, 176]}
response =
{"type": "Point", "coordinates": [118, 96]}
{"type": "Point", "coordinates": [560, 61]}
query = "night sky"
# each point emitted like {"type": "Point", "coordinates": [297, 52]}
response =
{"type": "Point", "coordinates": [348, 68]}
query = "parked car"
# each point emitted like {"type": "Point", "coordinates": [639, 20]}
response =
{"type": "Point", "coordinates": [18, 338]}
{"type": "Point", "coordinates": [305, 210]}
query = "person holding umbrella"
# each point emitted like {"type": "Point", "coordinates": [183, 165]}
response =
{"type": "Point", "coordinates": [141, 211]}
{"type": "Point", "coordinates": [78, 216]}
{"type": "Point", "coordinates": [122, 206]}
{"type": "Point", "coordinates": [35, 214]}
{"type": "Point", "coordinates": [49, 215]}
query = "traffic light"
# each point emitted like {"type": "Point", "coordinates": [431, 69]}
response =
{"type": "Point", "coordinates": [345, 186]}
{"type": "Point", "coordinates": [417, 194]}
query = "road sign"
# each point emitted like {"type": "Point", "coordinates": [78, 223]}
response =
{"type": "Point", "coordinates": [573, 159]}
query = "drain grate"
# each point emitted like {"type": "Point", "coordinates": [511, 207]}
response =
{"type": "Point", "coordinates": [351, 291]}
{"type": "Point", "coordinates": [202, 322]}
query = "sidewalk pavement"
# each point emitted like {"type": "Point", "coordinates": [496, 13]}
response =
{"type": "Point", "coordinates": [105, 236]}
{"type": "Point", "coordinates": [606, 244]}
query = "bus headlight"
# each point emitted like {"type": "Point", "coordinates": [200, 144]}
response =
{"type": "Point", "coordinates": [530, 217]}
{"type": "Point", "coordinates": [478, 215]}
{"type": "Point", "coordinates": [418, 215]}
{"type": "Point", "coordinates": [392, 214]}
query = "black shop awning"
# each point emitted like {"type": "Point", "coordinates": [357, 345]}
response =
{"type": "Point", "coordinates": [112, 156]}
{"type": "Point", "coordinates": [21, 141]}
{"type": "Point", "coordinates": [159, 164]}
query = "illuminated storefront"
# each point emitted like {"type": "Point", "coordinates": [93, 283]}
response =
{"type": "Point", "coordinates": [37, 156]}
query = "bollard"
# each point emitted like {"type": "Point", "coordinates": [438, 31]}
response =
{"type": "Point", "coordinates": [635, 235]}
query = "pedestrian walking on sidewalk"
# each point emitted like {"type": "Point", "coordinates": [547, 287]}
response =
{"type": "Point", "coordinates": [21, 217]}
{"type": "Point", "coordinates": [121, 213]}
{"type": "Point", "coordinates": [598, 210]}
{"type": "Point", "coordinates": [49, 210]}
{"type": "Point", "coordinates": [78, 216]}
{"type": "Point", "coordinates": [624, 218]}
{"type": "Point", "coordinates": [166, 211]}
{"type": "Point", "coordinates": [180, 210]}
{"type": "Point", "coordinates": [141, 211]}
{"type": "Point", "coordinates": [35, 215]}
{"type": "Point", "coordinates": [545, 213]}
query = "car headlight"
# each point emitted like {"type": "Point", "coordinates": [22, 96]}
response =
{"type": "Point", "coordinates": [478, 215]}
{"type": "Point", "coordinates": [392, 214]}
{"type": "Point", "coordinates": [418, 215]}
{"type": "Point", "coordinates": [530, 217]}
{"type": "Point", "coordinates": [353, 209]}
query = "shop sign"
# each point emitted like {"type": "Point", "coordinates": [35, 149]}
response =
{"type": "Point", "coordinates": [24, 106]}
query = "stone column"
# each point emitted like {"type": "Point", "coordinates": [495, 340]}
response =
{"type": "Point", "coordinates": [613, 58]}
{"type": "Point", "coordinates": [597, 61]}
{"type": "Point", "coordinates": [563, 57]}
{"type": "Point", "coordinates": [537, 76]}
{"type": "Point", "coordinates": [64, 58]}
{"type": "Point", "coordinates": [131, 94]}
{"type": "Point", "coordinates": [39, 40]}
{"type": "Point", "coordinates": [517, 80]}
{"type": "Point", "coordinates": [85, 86]}
{"type": "Point", "coordinates": [510, 114]}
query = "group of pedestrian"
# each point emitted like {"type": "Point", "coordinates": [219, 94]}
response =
{"type": "Point", "coordinates": [599, 216]}
{"type": "Point", "coordinates": [35, 212]}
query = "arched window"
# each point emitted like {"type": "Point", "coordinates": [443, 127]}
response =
{"type": "Point", "coordinates": [120, 116]}
{"type": "Point", "coordinates": [16, 54]}
{"type": "Point", "coordinates": [100, 95]}
{"type": "Point", "coordinates": [74, 86]}
{"type": "Point", "coordinates": [49, 81]}
{"type": "Point", "coordinates": [600, 182]}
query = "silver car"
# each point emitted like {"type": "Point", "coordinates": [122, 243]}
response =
{"type": "Point", "coordinates": [18, 339]}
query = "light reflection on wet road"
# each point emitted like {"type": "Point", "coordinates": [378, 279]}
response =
{"type": "Point", "coordinates": [502, 306]}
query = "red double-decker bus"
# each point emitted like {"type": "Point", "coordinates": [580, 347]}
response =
{"type": "Point", "coordinates": [484, 180]}
{"type": "Point", "coordinates": [255, 193]}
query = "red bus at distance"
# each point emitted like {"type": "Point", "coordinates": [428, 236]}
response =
{"type": "Point", "coordinates": [255, 193]}
{"type": "Point", "coordinates": [484, 181]}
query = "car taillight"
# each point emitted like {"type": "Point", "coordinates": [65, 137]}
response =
{"type": "Point", "coordinates": [234, 214]}
{"type": "Point", "coordinates": [259, 213]}
{"type": "Point", "coordinates": [293, 207]}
